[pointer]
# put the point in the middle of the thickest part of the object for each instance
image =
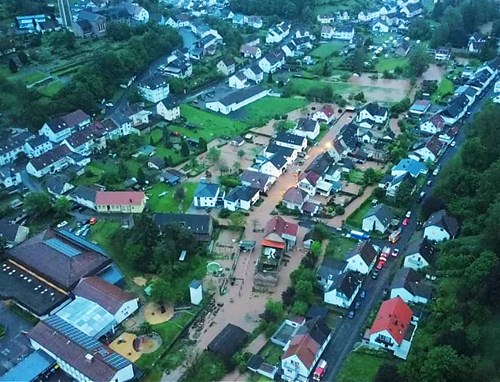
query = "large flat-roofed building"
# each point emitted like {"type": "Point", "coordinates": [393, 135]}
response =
{"type": "Point", "coordinates": [59, 258]}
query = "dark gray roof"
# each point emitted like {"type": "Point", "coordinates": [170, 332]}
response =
{"type": "Point", "coordinates": [289, 138]}
{"type": "Point", "coordinates": [8, 230]}
{"type": "Point", "coordinates": [241, 95]}
{"type": "Point", "coordinates": [320, 164]}
{"type": "Point", "coordinates": [199, 224]}
{"type": "Point", "coordinates": [331, 267]}
{"type": "Point", "coordinates": [424, 248]}
{"type": "Point", "coordinates": [349, 135]}
{"type": "Point", "coordinates": [278, 160]}
{"type": "Point", "coordinates": [382, 212]}
{"type": "Point", "coordinates": [316, 328]}
{"type": "Point", "coordinates": [274, 57]}
{"type": "Point", "coordinates": [347, 283]}
{"type": "Point", "coordinates": [86, 193]}
{"type": "Point", "coordinates": [366, 251]}
{"type": "Point", "coordinates": [241, 193]}
{"type": "Point", "coordinates": [228, 341]}
{"type": "Point", "coordinates": [154, 82]}
{"type": "Point", "coordinates": [456, 106]}
{"type": "Point", "coordinates": [412, 281]}
{"type": "Point", "coordinates": [275, 149]}
{"type": "Point", "coordinates": [443, 220]}
{"type": "Point", "coordinates": [255, 179]}
{"type": "Point", "coordinates": [376, 110]}
{"type": "Point", "coordinates": [56, 183]}
{"type": "Point", "coordinates": [206, 190]}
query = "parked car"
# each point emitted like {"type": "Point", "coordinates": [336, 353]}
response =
{"type": "Point", "coordinates": [92, 221]}
{"type": "Point", "coordinates": [351, 314]}
{"type": "Point", "coordinates": [357, 305]}
{"type": "Point", "coordinates": [62, 224]}
{"type": "Point", "coordinates": [429, 182]}
{"type": "Point", "coordinates": [453, 144]}
{"type": "Point", "coordinates": [395, 253]}
{"type": "Point", "coordinates": [362, 293]}
{"type": "Point", "coordinates": [385, 292]}
{"type": "Point", "coordinates": [408, 214]}
{"type": "Point", "coordinates": [375, 274]}
{"type": "Point", "coordinates": [406, 221]}
{"type": "Point", "coordinates": [380, 264]}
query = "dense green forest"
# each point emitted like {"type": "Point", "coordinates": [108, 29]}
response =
{"type": "Point", "coordinates": [286, 9]}
{"type": "Point", "coordinates": [458, 341]}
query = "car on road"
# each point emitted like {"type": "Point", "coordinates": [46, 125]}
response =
{"type": "Point", "coordinates": [62, 224]}
{"type": "Point", "coordinates": [408, 214]}
{"type": "Point", "coordinates": [382, 258]}
{"type": "Point", "coordinates": [351, 314]}
{"type": "Point", "coordinates": [406, 221]}
{"type": "Point", "coordinates": [362, 293]}
{"type": "Point", "coordinates": [453, 144]}
{"type": "Point", "coordinates": [421, 197]}
{"type": "Point", "coordinates": [395, 253]}
{"type": "Point", "coordinates": [429, 182]}
{"type": "Point", "coordinates": [380, 264]}
{"type": "Point", "coordinates": [357, 305]}
{"type": "Point", "coordinates": [436, 171]}
{"type": "Point", "coordinates": [375, 274]}
{"type": "Point", "coordinates": [386, 251]}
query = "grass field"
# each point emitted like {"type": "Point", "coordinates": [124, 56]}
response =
{"type": "Point", "coordinates": [263, 110]}
{"type": "Point", "coordinates": [444, 89]}
{"type": "Point", "coordinates": [339, 246]}
{"type": "Point", "coordinates": [356, 218]}
{"type": "Point", "coordinates": [32, 77]}
{"type": "Point", "coordinates": [325, 50]}
{"type": "Point", "coordinates": [355, 176]}
{"type": "Point", "coordinates": [51, 89]}
{"type": "Point", "coordinates": [167, 202]}
{"type": "Point", "coordinates": [390, 63]}
{"type": "Point", "coordinates": [210, 125]}
{"type": "Point", "coordinates": [161, 150]}
{"type": "Point", "coordinates": [360, 368]}
{"type": "Point", "coordinates": [271, 353]}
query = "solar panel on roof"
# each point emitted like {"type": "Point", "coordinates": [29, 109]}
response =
{"type": "Point", "coordinates": [81, 241]}
{"type": "Point", "coordinates": [64, 248]}
{"type": "Point", "coordinates": [117, 361]}
{"type": "Point", "coordinates": [73, 333]}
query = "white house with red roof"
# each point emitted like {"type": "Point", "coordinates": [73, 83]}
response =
{"type": "Point", "coordinates": [394, 327]}
{"type": "Point", "coordinates": [325, 114]}
{"type": "Point", "coordinates": [116, 301]}
{"type": "Point", "coordinates": [280, 234]}
{"type": "Point", "coordinates": [433, 125]}
{"type": "Point", "coordinates": [308, 182]}
{"type": "Point", "coordinates": [120, 202]}
{"type": "Point", "coordinates": [428, 150]}
{"type": "Point", "coordinates": [304, 351]}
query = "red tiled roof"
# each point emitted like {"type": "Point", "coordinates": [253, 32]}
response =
{"type": "Point", "coordinates": [119, 198]}
{"type": "Point", "coordinates": [311, 177]}
{"type": "Point", "coordinates": [437, 121]}
{"type": "Point", "coordinates": [304, 347]}
{"type": "Point", "coordinates": [281, 226]}
{"type": "Point", "coordinates": [434, 145]}
{"type": "Point", "coordinates": [395, 317]}
{"type": "Point", "coordinates": [108, 296]}
{"type": "Point", "coordinates": [272, 244]}
{"type": "Point", "coordinates": [328, 110]}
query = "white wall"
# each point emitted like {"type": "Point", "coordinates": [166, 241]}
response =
{"type": "Point", "coordinates": [436, 233]}
{"type": "Point", "coordinates": [126, 310]}
{"type": "Point", "coordinates": [415, 262]}
{"type": "Point", "coordinates": [357, 264]}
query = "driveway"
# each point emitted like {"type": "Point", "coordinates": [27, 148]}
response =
{"type": "Point", "coordinates": [31, 184]}
{"type": "Point", "coordinates": [14, 346]}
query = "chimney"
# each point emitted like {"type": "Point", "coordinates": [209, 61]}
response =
{"type": "Point", "coordinates": [89, 358]}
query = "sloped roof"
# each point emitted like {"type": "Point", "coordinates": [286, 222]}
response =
{"type": "Point", "coordinates": [424, 248]}
{"type": "Point", "coordinates": [310, 176]}
{"type": "Point", "coordinates": [411, 166]}
{"type": "Point", "coordinates": [366, 251]}
{"type": "Point", "coordinates": [331, 266]}
{"type": "Point", "coordinates": [206, 190]}
{"type": "Point", "coordinates": [255, 178]}
{"type": "Point", "coordinates": [306, 124]}
{"type": "Point", "coordinates": [75, 118]}
{"type": "Point", "coordinates": [197, 224]}
{"type": "Point", "coordinates": [50, 157]}
{"type": "Point", "coordinates": [281, 227]}
{"type": "Point", "coordinates": [375, 109]}
{"type": "Point", "coordinates": [411, 281]}
{"type": "Point", "coordinates": [382, 212]}
{"type": "Point", "coordinates": [295, 195]}
{"type": "Point", "coordinates": [320, 164]}
{"type": "Point", "coordinates": [443, 220]}
{"type": "Point", "coordinates": [347, 283]}
{"type": "Point", "coordinates": [394, 316]}
{"type": "Point", "coordinates": [228, 341]}
{"type": "Point", "coordinates": [106, 295]}
{"type": "Point", "coordinates": [119, 198]}
{"type": "Point", "coordinates": [241, 193]}
{"type": "Point", "coordinates": [290, 138]}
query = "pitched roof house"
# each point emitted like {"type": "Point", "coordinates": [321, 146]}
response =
{"type": "Point", "coordinates": [440, 226]}
{"type": "Point", "coordinates": [433, 125]}
{"type": "Point", "coordinates": [257, 179]}
{"type": "Point", "coordinates": [307, 127]}
{"type": "Point", "coordinates": [420, 254]}
{"type": "Point", "coordinates": [342, 289]}
{"type": "Point", "coordinates": [362, 258]}
{"type": "Point", "coordinates": [207, 195]}
{"type": "Point", "coordinates": [292, 141]}
{"type": "Point", "coordinates": [280, 234]}
{"type": "Point", "coordinates": [411, 286]}
{"type": "Point", "coordinates": [200, 226]}
{"type": "Point", "coordinates": [295, 198]}
{"type": "Point", "coordinates": [378, 219]}
{"type": "Point", "coordinates": [374, 112]}
{"type": "Point", "coordinates": [241, 197]}
{"type": "Point", "coordinates": [120, 201]}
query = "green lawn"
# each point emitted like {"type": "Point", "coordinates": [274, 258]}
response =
{"type": "Point", "coordinates": [211, 125]}
{"type": "Point", "coordinates": [444, 89]}
{"type": "Point", "coordinates": [327, 49]}
{"type": "Point", "coordinates": [390, 63]}
{"type": "Point", "coordinates": [338, 247]}
{"type": "Point", "coordinates": [51, 89]}
{"type": "Point", "coordinates": [265, 109]}
{"type": "Point", "coordinates": [167, 202]}
{"type": "Point", "coordinates": [360, 368]}
{"type": "Point", "coordinates": [271, 353]}
{"type": "Point", "coordinates": [161, 150]}
{"type": "Point", "coordinates": [356, 218]}
{"type": "Point", "coordinates": [32, 77]}
{"type": "Point", "coordinates": [355, 176]}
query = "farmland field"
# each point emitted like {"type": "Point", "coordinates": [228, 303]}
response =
{"type": "Point", "coordinates": [265, 109]}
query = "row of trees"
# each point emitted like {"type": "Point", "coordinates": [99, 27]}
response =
{"type": "Point", "coordinates": [281, 9]}
{"type": "Point", "coordinates": [451, 344]}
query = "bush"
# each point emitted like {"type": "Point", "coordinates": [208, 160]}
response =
{"type": "Point", "coordinates": [224, 213]}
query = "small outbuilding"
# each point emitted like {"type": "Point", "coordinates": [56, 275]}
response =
{"type": "Point", "coordinates": [228, 341]}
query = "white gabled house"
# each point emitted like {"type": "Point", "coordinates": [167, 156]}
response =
{"type": "Point", "coordinates": [420, 254]}
{"type": "Point", "coordinates": [440, 226]}
{"type": "Point", "coordinates": [291, 141]}
{"type": "Point", "coordinates": [342, 290]}
{"type": "Point", "coordinates": [308, 128]}
{"type": "Point", "coordinates": [278, 33]}
{"type": "Point", "coordinates": [272, 61]}
{"type": "Point", "coordinates": [325, 114]}
{"type": "Point", "coordinates": [168, 109]}
{"type": "Point", "coordinates": [378, 219]}
{"type": "Point", "coordinates": [60, 128]}
{"type": "Point", "coordinates": [241, 198]}
{"type": "Point", "coordinates": [433, 125]}
{"type": "Point", "coordinates": [238, 80]}
{"type": "Point", "coordinates": [237, 99]}
{"type": "Point", "coordinates": [362, 258]}
{"type": "Point", "coordinates": [343, 32]}
{"type": "Point", "coordinates": [208, 195]}
{"type": "Point", "coordinates": [411, 286]}
{"type": "Point", "coordinates": [374, 112]}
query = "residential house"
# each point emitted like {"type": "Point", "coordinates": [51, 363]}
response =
{"type": "Point", "coordinates": [226, 66]}
{"type": "Point", "coordinates": [60, 128]}
{"type": "Point", "coordinates": [374, 112]}
{"type": "Point", "coordinates": [362, 258]}
{"type": "Point", "coordinates": [272, 61]}
{"type": "Point", "coordinates": [442, 54]}
{"type": "Point", "coordinates": [378, 218]}
{"type": "Point", "coordinates": [54, 161]}
{"type": "Point", "coordinates": [455, 110]}
{"type": "Point", "coordinates": [476, 43]}
{"type": "Point", "coordinates": [348, 138]}
{"type": "Point", "coordinates": [307, 127]}
{"type": "Point", "coordinates": [201, 226]}
{"type": "Point", "coordinates": [258, 180]}
{"type": "Point", "coordinates": [295, 198]}
{"type": "Point", "coordinates": [154, 88]}
{"type": "Point", "coordinates": [168, 109]}
{"type": "Point", "coordinates": [290, 49]}
{"type": "Point", "coordinates": [12, 147]}
{"type": "Point", "coordinates": [208, 195]}
{"type": "Point", "coordinates": [420, 254]}
{"type": "Point", "coordinates": [273, 149]}
{"type": "Point", "coordinates": [411, 10]}
{"type": "Point", "coordinates": [238, 19]}
{"type": "Point", "coordinates": [178, 68]}
{"type": "Point", "coordinates": [138, 13]}
{"type": "Point", "coordinates": [86, 141]}
{"type": "Point", "coordinates": [329, 270]}
{"type": "Point", "coordinates": [119, 303]}
{"type": "Point", "coordinates": [254, 73]}
{"type": "Point", "coordinates": [10, 176]}
{"type": "Point", "coordinates": [368, 15]}
{"type": "Point", "coordinates": [13, 234]}
{"type": "Point", "coordinates": [156, 163]}
{"type": "Point", "coordinates": [440, 226]}
{"type": "Point", "coordinates": [403, 49]}
{"type": "Point", "coordinates": [120, 202]}
{"type": "Point", "coordinates": [342, 290]}
{"type": "Point", "coordinates": [343, 32]}
{"type": "Point", "coordinates": [241, 197]}
{"type": "Point", "coordinates": [254, 21]}
{"type": "Point", "coordinates": [237, 99]}
{"type": "Point", "coordinates": [58, 185]}
{"type": "Point", "coordinates": [325, 114]}
{"type": "Point", "coordinates": [420, 107]}
{"type": "Point", "coordinates": [179, 21]}
{"type": "Point", "coordinates": [304, 350]}
{"type": "Point", "coordinates": [280, 234]}
{"type": "Point", "coordinates": [393, 328]}
{"type": "Point", "coordinates": [411, 286]}
{"type": "Point", "coordinates": [327, 32]}
{"type": "Point", "coordinates": [278, 33]}
{"type": "Point", "coordinates": [37, 146]}
{"type": "Point", "coordinates": [137, 115]}
{"type": "Point", "coordinates": [433, 125]}
{"type": "Point", "coordinates": [85, 196]}
{"type": "Point", "coordinates": [393, 186]}
{"type": "Point", "coordinates": [251, 51]}
{"type": "Point", "coordinates": [428, 150]}
{"type": "Point", "coordinates": [308, 181]}
{"type": "Point", "coordinates": [291, 141]}
{"type": "Point", "coordinates": [409, 166]}
{"type": "Point", "coordinates": [326, 18]}
{"type": "Point", "coordinates": [171, 176]}
{"type": "Point", "coordinates": [469, 91]}
{"type": "Point", "coordinates": [238, 80]}
{"type": "Point", "coordinates": [89, 24]}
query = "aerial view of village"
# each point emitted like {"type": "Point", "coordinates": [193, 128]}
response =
{"type": "Point", "coordinates": [250, 190]}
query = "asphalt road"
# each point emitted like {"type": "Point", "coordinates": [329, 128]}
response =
{"type": "Point", "coordinates": [349, 331]}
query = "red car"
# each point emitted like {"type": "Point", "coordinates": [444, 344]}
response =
{"type": "Point", "coordinates": [380, 265]}
{"type": "Point", "coordinates": [406, 221]}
